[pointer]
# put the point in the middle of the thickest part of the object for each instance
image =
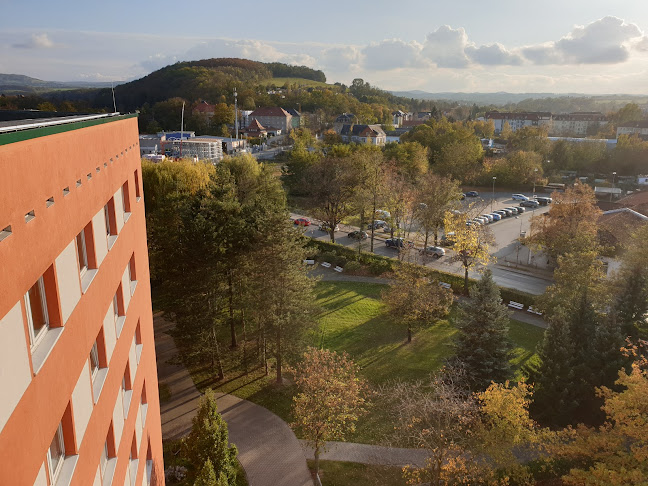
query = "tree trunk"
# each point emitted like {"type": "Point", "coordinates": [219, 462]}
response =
{"type": "Point", "coordinates": [278, 355]}
{"type": "Point", "coordinates": [317, 460]}
{"type": "Point", "coordinates": [231, 310]}
{"type": "Point", "coordinates": [373, 217]}
{"type": "Point", "coordinates": [436, 236]}
{"type": "Point", "coordinates": [217, 357]}
{"type": "Point", "coordinates": [409, 333]}
{"type": "Point", "coordinates": [427, 235]}
{"type": "Point", "coordinates": [466, 281]}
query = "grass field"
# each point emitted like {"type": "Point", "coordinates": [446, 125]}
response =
{"type": "Point", "coordinates": [279, 82]}
{"type": "Point", "coordinates": [353, 319]}
{"type": "Point", "coordinates": [335, 473]}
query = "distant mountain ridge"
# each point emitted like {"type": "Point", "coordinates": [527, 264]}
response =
{"type": "Point", "coordinates": [503, 97]}
{"type": "Point", "coordinates": [21, 84]}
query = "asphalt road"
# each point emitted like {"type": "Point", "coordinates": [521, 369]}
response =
{"type": "Point", "coordinates": [505, 232]}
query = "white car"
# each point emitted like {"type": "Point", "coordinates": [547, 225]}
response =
{"type": "Point", "coordinates": [520, 197]}
{"type": "Point", "coordinates": [488, 217]}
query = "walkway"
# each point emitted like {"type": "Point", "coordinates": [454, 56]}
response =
{"type": "Point", "coordinates": [268, 449]}
{"type": "Point", "coordinates": [368, 454]}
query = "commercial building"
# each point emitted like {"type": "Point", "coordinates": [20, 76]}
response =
{"type": "Point", "coordinates": [79, 403]}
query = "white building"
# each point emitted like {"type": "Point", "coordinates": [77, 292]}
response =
{"type": "Point", "coordinates": [578, 124]}
{"type": "Point", "coordinates": [518, 120]}
{"type": "Point", "coordinates": [633, 128]}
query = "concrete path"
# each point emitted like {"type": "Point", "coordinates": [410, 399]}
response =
{"type": "Point", "coordinates": [368, 454]}
{"type": "Point", "coordinates": [268, 449]}
{"type": "Point", "coordinates": [181, 408]}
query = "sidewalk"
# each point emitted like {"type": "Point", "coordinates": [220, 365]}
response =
{"type": "Point", "coordinates": [268, 449]}
{"type": "Point", "coordinates": [368, 454]}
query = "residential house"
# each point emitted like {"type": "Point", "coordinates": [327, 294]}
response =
{"type": "Point", "coordinates": [518, 120]}
{"type": "Point", "coordinates": [634, 128]}
{"type": "Point", "coordinates": [273, 116]}
{"type": "Point", "coordinates": [344, 119]}
{"type": "Point", "coordinates": [297, 119]}
{"type": "Point", "coordinates": [365, 134]}
{"type": "Point", "coordinates": [254, 130]}
{"type": "Point", "coordinates": [577, 124]}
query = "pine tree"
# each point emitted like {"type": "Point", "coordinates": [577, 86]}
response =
{"type": "Point", "coordinates": [207, 476]}
{"type": "Point", "coordinates": [208, 441]}
{"type": "Point", "coordinates": [483, 345]}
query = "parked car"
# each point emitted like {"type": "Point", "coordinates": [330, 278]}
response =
{"type": "Point", "coordinates": [482, 219]}
{"type": "Point", "coordinates": [472, 194]}
{"type": "Point", "coordinates": [433, 251]}
{"type": "Point", "coordinates": [463, 196]}
{"type": "Point", "coordinates": [508, 211]}
{"type": "Point", "coordinates": [446, 240]}
{"type": "Point", "coordinates": [514, 210]}
{"type": "Point", "coordinates": [398, 243]}
{"type": "Point", "coordinates": [543, 201]}
{"type": "Point", "coordinates": [520, 209]}
{"type": "Point", "coordinates": [378, 223]}
{"type": "Point", "coordinates": [519, 197]}
{"type": "Point", "coordinates": [502, 213]}
{"type": "Point", "coordinates": [327, 228]}
{"type": "Point", "coordinates": [358, 235]}
{"type": "Point", "coordinates": [529, 204]}
{"type": "Point", "coordinates": [303, 221]}
{"type": "Point", "coordinates": [383, 214]}
{"type": "Point", "coordinates": [489, 217]}
{"type": "Point", "coordinates": [496, 217]}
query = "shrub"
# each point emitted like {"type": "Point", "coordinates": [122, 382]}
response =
{"type": "Point", "coordinates": [378, 267]}
{"type": "Point", "coordinates": [352, 267]}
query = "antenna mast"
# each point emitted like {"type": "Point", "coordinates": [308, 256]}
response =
{"type": "Point", "coordinates": [236, 113]}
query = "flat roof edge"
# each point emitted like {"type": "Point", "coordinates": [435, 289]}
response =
{"type": "Point", "coordinates": [21, 133]}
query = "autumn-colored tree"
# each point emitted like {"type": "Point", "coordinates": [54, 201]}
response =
{"type": "Point", "coordinates": [371, 190]}
{"type": "Point", "coordinates": [333, 182]}
{"type": "Point", "coordinates": [616, 452]}
{"type": "Point", "coordinates": [207, 476]}
{"type": "Point", "coordinates": [415, 298]}
{"type": "Point", "coordinates": [472, 243]}
{"type": "Point", "coordinates": [330, 398]}
{"type": "Point", "coordinates": [435, 195]}
{"type": "Point", "coordinates": [571, 225]}
{"type": "Point", "coordinates": [410, 159]}
{"type": "Point", "coordinates": [208, 441]}
{"type": "Point", "coordinates": [506, 133]}
{"type": "Point", "coordinates": [438, 416]}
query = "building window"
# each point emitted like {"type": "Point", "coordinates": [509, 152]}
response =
{"type": "Point", "coordinates": [108, 220]}
{"type": "Point", "coordinates": [137, 186]}
{"type": "Point", "coordinates": [94, 360]}
{"type": "Point", "coordinates": [82, 253]}
{"type": "Point", "coordinates": [126, 198]}
{"type": "Point", "coordinates": [37, 318]}
{"type": "Point", "coordinates": [56, 454]}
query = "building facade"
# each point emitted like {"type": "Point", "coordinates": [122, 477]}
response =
{"type": "Point", "coordinates": [272, 117]}
{"type": "Point", "coordinates": [578, 124]}
{"type": "Point", "coordinates": [79, 403]}
{"type": "Point", "coordinates": [365, 134]}
{"type": "Point", "coordinates": [518, 120]}
{"type": "Point", "coordinates": [639, 128]}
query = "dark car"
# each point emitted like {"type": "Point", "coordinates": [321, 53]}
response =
{"type": "Point", "coordinates": [516, 210]}
{"type": "Point", "coordinates": [398, 243]}
{"type": "Point", "coordinates": [529, 204]}
{"type": "Point", "coordinates": [543, 201]}
{"type": "Point", "coordinates": [446, 240]}
{"type": "Point", "coordinates": [358, 235]}
{"type": "Point", "coordinates": [472, 194]}
{"type": "Point", "coordinates": [433, 251]}
{"type": "Point", "coordinates": [379, 223]}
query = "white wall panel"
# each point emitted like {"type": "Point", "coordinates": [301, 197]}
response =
{"type": "Point", "coordinates": [119, 210]}
{"type": "Point", "coordinates": [110, 334]}
{"type": "Point", "coordinates": [15, 374]}
{"type": "Point", "coordinates": [100, 238]}
{"type": "Point", "coordinates": [118, 417]}
{"type": "Point", "coordinates": [126, 288]}
{"type": "Point", "coordinates": [82, 402]}
{"type": "Point", "coordinates": [41, 479]}
{"type": "Point", "coordinates": [67, 276]}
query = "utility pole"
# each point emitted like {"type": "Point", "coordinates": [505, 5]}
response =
{"type": "Point", "coordinates": [236, 113]}
{"type": "Point", "coordinates": [181, 127]}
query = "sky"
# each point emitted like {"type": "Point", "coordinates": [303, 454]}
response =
{"type": "Point", "coordinates": [577, 46]}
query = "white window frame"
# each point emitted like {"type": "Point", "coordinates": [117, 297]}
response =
{"type": "Point", "coordinates": [83, 266]}
{"type": "Point", "coordinates": [94, 358]}
{"type": "Point", "coordinates": [34, 337]}
{"type": "Point", "coordinates": [54, 472]}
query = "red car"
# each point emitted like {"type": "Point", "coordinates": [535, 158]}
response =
{"type": "Point", "coordinates": [303, 221]}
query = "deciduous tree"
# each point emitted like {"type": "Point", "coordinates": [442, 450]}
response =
{"type": "Point", "coordinates": [330, 398]}
{"type": "Point", "coordinates": [415, 298]}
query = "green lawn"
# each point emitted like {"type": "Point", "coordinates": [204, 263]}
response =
{"type": "Point", "coordinates": [353, 319]}
{"type": "Point", "coordinates": [334, 473]}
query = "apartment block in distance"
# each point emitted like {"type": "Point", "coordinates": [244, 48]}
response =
{"type": "Point", "coordinates": [78, 402]}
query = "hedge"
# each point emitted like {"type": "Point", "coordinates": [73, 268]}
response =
{"type": "Point", "coordinates": [337, 254]}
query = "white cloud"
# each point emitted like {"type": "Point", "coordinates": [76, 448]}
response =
{"type": "Point", "coordinates": [446, 47]}
{"type": "Point", "coordinates": [392, 54]}
{"type": "Point", "coordinates": [604, 41]}
{"type": "Point", "coordinates": [339, 59]}
{"type": "Point", "coordinates": [36, 41]}
{"type": "Point", "coordinates": [493, 55]}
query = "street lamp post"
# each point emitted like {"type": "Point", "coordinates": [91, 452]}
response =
{"type": "Point", "coordinates": [613, 184]}
{"type": "Point", "coordinates": [494, 178]}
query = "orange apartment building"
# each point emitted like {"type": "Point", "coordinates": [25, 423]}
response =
{"type": "Point", "coordinates": [78, 382]}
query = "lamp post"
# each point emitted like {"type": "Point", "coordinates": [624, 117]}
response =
{"type": "Point", "coordinates": [613, 181]}
{"type": "Point", "coordinates": [494, 178]}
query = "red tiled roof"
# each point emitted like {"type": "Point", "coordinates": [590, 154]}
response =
{"type": "Point", "coordinates": [634, 199]}
{"type": "Point", "coordinates": [270, 111]}
{"type": "Point", "coordinates": [204, 107]}
{"type": "Point", "coordinates": [255, 126]}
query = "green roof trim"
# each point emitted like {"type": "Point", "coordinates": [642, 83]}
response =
{"type": "Point", "coordinates": [30, 133]}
